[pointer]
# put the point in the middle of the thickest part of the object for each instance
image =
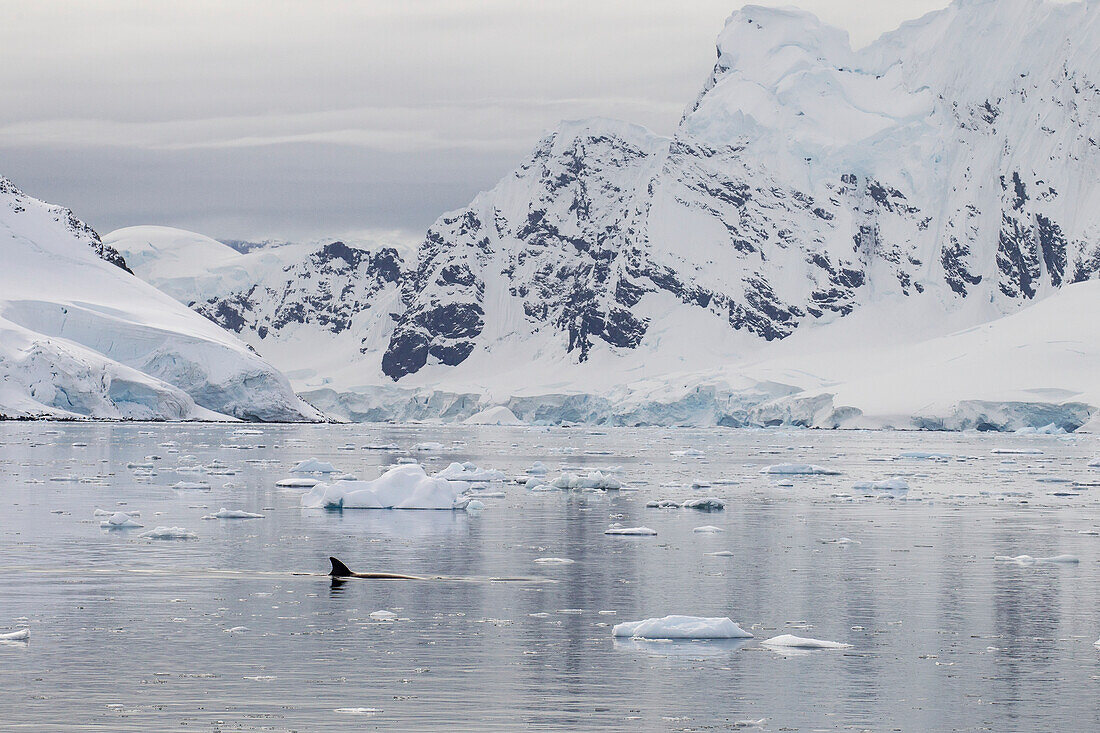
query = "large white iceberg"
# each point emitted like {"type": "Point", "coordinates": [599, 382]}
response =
{"type": "Point", "coordinates": [681, 627]}
{"type": "Point", "coordinates": [406, 486]}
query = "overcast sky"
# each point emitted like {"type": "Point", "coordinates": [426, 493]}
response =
{"type": "Point", "coordinates": [262, 118]}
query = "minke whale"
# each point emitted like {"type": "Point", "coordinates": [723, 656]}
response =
{"type": "Point", "coordinates": [341, 571]}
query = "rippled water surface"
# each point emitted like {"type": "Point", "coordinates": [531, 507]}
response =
{"type": "Point", "coordinates": [240, 629]}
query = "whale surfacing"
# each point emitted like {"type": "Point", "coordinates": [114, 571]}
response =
{"type": "Point", "coordinates": [340, 570]}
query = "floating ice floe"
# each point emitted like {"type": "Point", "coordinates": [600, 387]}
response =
{"type": "Point", "coordinates": [1026, 560]}
{"type": "Point", "coordinates": [233, 514]}
{"type": "Point", "coordinates": [554, 561]}
{"type": "Point", "coordinates": [169, 533]}
{"type": "Point", "coordinates": [708, 529]}
{"type": "Point", "coordinates": [897, 485]}
{"type": "Point", "coordinates": [120, 520]}
{"type": "Point", "coordinates": [21, 635]}
{"type": "Point", "coordinates": [710, 504]}
{"type": "Point", "coordinates": [383, 616]}
{"type": "Point", "coordinates": [191, 486]}
{"type": "Point", "coordinates": [537, 469]}
{"type": "Point", "coordinates": [680, 627]}
{"type": "Point", "coordinates": [593, 480]}
{"type": "Point", "coordinates": [312, 465]}
{"type": "Point", "coordinates": [470, 473]}
{"type": "Point", "coordinates": [798, 642]}
{"type": "Point", "coordinates": [406, 486]}
{"type": "Point", "coordinates": [688, 453]}
{"type": "Point", "coordinates": [105, 513]}
{"type": "Point", "coordinates": [799, 469]}
{"type": "Point", "coordinates": [721, 553]}
{"type": "Point", "coordinates": [921, 455]}
{"type": "Point", "coordinates": [618, 529]}
{"type": "Point", "coordinates": [429, 447]}
{"type": "Point", "coordinates": [841, 541]}
{"type": "Point", "coordinates": [297, 483]}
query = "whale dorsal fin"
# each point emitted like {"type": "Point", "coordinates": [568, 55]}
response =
{"type": "Point", "coordinates": [339, 569]}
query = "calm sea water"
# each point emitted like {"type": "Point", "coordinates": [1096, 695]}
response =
{"type": "Point", "coordinates": [240, 630]}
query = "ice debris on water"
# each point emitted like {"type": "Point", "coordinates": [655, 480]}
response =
{"type": "Point", "coordinates": [21, 635]}
{"type": "Point", "coordinates": [554, 561]}
{"type": "Point", "coordinates": [898, 485]}
{"type": "Point", "coordinates": [233, 514]}
{"type": "Point", "coordinates": [680, 627]}
{"type": "Point", "coordinates": [470, 473]}
{"type": "Point", "coordinates": [710, 504]}
{"type": "Point", "coordinates": [120, 520]}
{"type": "Point", "coordinates": [619, 529]}
{"type": "Point", "coordinates": [799, 469]}
{"type": "Point", "coordinates": [1025, 560]}
{"type": "Point", "coordinates": [798, 642]}
{"type": "Point", "coordinates": [297, 483]}
{"type": "Point", "coordinates": [191, 486]}
{"type": "Point", "coordinates": [383, 616]}
{"type": "Point", "coordinates": [169, 533]}
{"type": "Point", "coordinates": [312, 465]}
{"type": "Point", "coordinates": [708, 529]}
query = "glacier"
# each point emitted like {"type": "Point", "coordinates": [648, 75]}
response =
{"type": "Point", "coordinates": [82, 337]}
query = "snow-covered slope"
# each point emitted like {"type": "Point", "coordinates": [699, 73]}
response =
{"type": "Point", "coordinates": [819, 212]}
{"type": "Point", "coordinates": [80, 336]}
{"type": "Point", "coordinates": [321, 312]}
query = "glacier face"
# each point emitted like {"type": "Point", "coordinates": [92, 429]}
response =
{"type": "Point", "coordinates": [81, 336]}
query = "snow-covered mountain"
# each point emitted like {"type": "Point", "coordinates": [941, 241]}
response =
{"type": "Point", "coordinates": [81, 336]}
{"type": "Point", "coordinates": [323, 312]}
{"type": "Point", "coordinates": [819, 212]}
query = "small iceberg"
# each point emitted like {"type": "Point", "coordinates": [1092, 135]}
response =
{"type": "Point", "coordinates": [554, 561]}
{"type": "Point", "coordinates": [799, 469]}
{"type": "Point", "coordinates": [169, 533]}
{"type": "Point", "coordinates": [680, 627]}
{"type": "Point", "coordinates": [312, 465]}
{"type": "Point", "coordinates": [120, 520]}
{"type": "Point", "coordinates": [618, 529]}
{"type": "Point", "coordinates": [708, 529]}
{"type": "Point", "coordinates": [841, 541]}
{"type": "Point", "coordinates": [191, 486]}
{"type": "Point", "coordinates": [797, 642]}
{"type": "Point", "coordinates": [688, 453]}
{"type": "Point", "coordinates": [406, 486]}
{"type": "Point", "coordinates": [897, 485]}
{"type": "Point", "coordinates": [594, 480]}
{"type": "Point", "coordinates": [384, 616]}
{"type": "Point", "coordinates": [21, 635]}
{"type": "Point", "coordinates": [233, 514]}
{"type": "Point", "coordinates": [297, 483]}
{"type": "Point", "coordinates": [921, 455]}
{"type": "Point", "coordinates": [709, 504]}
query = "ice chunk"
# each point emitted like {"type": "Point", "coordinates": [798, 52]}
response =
{"type": "Point", "coordinates": [890, 484]}
{"type": "Point", "coordinates": [1025, 560]}
{"type": "Point", "coordinates": [406, 486]}
{"type": "Point", "coordinates": [297, 483]}
{"type": "Point", "coordinates": [554, 561]}
{"type": "Point", "coordinates": [169, 533]}
{"type": "Point", "coordinates": [681, 627]}
{"type": "Point", "coordinates": [105, 513]}
{"type": "Point", "coordinates": [233, 514]}
{"type": "Point", "coordinates": [469, 472]}
{"type": "Point", "coordinates": [191, 486]}
{"type": "Point", "coordinates": [430, 447]}
{"type": "Point", "coordinates": [120, 520]}
{"type": "Point", "coordinates": [383, 616]}
{"type": "Point", "coordinates": [708, 529]}
{"type": "Point", "coordinates": [921, 455]}
{"type": "Point", "coordinates": [618, 529]}
{"type": "Point", "coordinates": [537, 469]}
{"type": "Point", "coordinates": [663, 504]}
{"type": "Point", "coordinates": [21, 635]}
{"type": "Point", "coordinates": [688, 453]}
{"type": "Point", "coordinates": [799, 469]}
{"type": "Point", "coordinates": [841, 541]}
{"type": "Point", "coordinates": [798, 642]}
{"type": "Point", "coordinates": [594, 480]}
{"type": "Point", "coordinates": [709, 504]}
{"type": "Point", "coordinates": [1016, 452]}
{"type": "Point", "coordinates": [312, 465]}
